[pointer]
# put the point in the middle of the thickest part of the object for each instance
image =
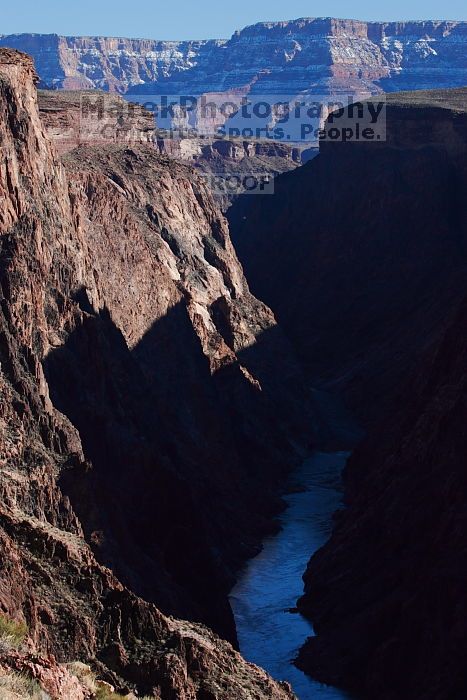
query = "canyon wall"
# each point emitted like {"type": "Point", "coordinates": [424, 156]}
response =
{"type": "Point", "coordinates": [75, 118]}
{"type": "Point", "coordinates": [70, 121]}
{"type": "Point", "coordinates": [323, 56]}
{"type": "Point", "coordinates": [362, 253]}
{"type": "Point", "coordinates": [139, 415]}
{"type": "Point", "coordinates": [107, 63]}
{"type": "Point", "coordinates": [387, 594]}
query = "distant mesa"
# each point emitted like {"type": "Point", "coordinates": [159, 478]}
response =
{"type": "Point", "coordinates": [324, 55]}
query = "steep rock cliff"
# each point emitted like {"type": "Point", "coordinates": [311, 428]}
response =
{"type": "Point", "coordinates": [201, 394]}
{"type": "Point", "coordinates": [323, 55]}
{"type": "Point", "coordinates": [361, 252]}
{"type": "Point", "coordinates": [369, 245]}
{"type": "Point", "coordinates": [124, 314]}
{"type": "Point", "coordinates": [70, 122]}
{"type": "Point", "coordinates": [387, 594]}
{"type": "Point", "coordinates": [107, 63]}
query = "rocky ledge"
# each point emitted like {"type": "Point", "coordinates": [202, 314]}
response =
{"type": "Point", "coordinates": [84, 118]}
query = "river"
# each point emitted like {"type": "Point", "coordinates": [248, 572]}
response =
{"type": "Point", "coordinates": [269, 632]}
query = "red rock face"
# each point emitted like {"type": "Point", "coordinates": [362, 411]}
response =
{"type": "Point", "coordinates": [130, 346]}
{"type": "Point", "coordinates": [68, 125]}
{"type": "Point", "coordinates": [55, 679]}
{"type": "Point", "coordinates": [370, 245]}
{"type": "Point", "coordinates": [169, 310]}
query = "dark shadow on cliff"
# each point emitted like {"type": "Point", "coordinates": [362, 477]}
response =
{"type": "Point", "coordinates": [361, 254]}
{"type": "Point", "coordinates": [183, 466]}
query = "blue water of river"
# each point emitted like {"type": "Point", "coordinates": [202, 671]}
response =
{"type": "Point", "coordinates": [269, 634]}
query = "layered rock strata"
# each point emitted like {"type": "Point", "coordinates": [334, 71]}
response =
{"type": "Point", "coordinates": [131, 354]}
{"type": "Point", "coordinates": [83, 118]}
{"type": "Point", "coordinates": [323, 55]}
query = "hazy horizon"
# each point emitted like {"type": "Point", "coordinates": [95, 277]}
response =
{"type": "Point", "coordinates": [186, 21]}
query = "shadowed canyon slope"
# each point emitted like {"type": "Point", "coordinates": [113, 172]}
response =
{"type": "Point", "coordinates": [141, 398]}
{"type": "Point", "coordinates": [363, 255]}
{"type": "Point", "coordinates": [324, 55]}
{"type": "Point", "coordinates": [361, 252]}
{"type": "Point", "coordinates": [387, 594]}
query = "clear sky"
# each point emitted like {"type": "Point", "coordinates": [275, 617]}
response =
{"type": "Point", "coordinates": [199, 19]}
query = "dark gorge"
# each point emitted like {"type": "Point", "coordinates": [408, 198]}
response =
{"type": "Point", "coordinates": [198, 410]}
